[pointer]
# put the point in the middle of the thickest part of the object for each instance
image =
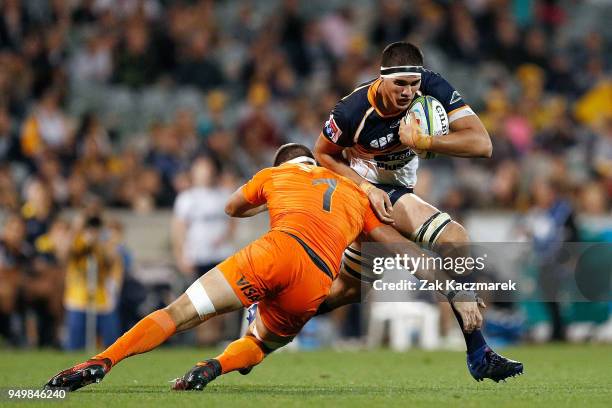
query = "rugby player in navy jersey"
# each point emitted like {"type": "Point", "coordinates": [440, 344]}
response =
{"type": "Point", "coordinates": [365, 140]}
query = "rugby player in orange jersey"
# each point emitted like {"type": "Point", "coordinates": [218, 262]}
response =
{"type": "Point", "coordinates": [314, 215]}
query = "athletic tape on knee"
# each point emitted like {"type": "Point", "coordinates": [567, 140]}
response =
{"type": "Point", "coordinates": [357, 265]}
{"type": "Point", "coordinates": [430, 230]}
{"type": "Point", "coordinates": [199, 298]}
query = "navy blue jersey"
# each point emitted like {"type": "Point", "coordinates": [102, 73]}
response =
{"type": "Point", "coordinates": [374, 150]}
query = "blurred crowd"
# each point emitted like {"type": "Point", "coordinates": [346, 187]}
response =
{"type": "Point", "coordinates": [109, 101]}
{"type": "Point", "coordinates": [53, 269]}
{"type": "Point", "coordinates": [258, 75]}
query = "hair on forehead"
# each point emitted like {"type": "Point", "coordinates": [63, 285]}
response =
{"type": "Point", "coordinates": [290, 151]}
{"type": "Point", "coordinates": [401, 53]}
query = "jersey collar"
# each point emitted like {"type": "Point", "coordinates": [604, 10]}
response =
{"type": "Point", "coordinates": [372, 90]}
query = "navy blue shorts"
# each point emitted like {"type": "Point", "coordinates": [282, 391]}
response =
{"type": "Point", "coordinates": [394, 192]}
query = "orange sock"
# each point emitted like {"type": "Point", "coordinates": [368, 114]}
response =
{"type": "Point", "coordinates": [242, 353]}
{"type": "Point", "coordinates": [147, 334]}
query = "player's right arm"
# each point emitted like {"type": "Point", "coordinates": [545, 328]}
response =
{"type": "Point", "coordinates": [328, 152]}
{"type": "Point", "coordinates": [329, 155]}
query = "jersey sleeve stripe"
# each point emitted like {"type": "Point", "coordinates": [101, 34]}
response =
{"type": "Point", "coordinates": [460, 112]}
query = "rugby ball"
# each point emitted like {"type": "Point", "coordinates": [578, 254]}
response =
{"type": "Point", "coordinates": [431, 117]}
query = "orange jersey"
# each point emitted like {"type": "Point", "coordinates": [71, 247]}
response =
{"type": "Point", "coordinates": [325, 210]}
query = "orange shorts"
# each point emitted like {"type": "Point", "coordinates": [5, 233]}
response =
{"type": "Point", "coordinates": [276, 271]}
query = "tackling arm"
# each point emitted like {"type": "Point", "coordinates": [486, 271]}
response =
{"type": "Point", "coordinates": [238, 206]}
{"type": "Point", "coordinates": [395, 243]}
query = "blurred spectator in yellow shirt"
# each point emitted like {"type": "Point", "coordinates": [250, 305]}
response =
{"type": "Point", "coordinates": [93, 282]}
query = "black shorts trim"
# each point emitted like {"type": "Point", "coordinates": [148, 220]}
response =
{"type": "Point", "coordinates": [313, 256]}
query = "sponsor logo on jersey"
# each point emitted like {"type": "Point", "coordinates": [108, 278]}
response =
{"type": "Point", "coordinates": [394, 161]}
{"type": "Point", "coordinates": [395, 124]}
{"type": "Point", "coordinates": [249, 291]}
{"type": "Point", "coordinates": [455, 97]}
{"type": "Point", "coordinates": [381, 142]}
{"type": "Point", "coordinates": [331, 129]}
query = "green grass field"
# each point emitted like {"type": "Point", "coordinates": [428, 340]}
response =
{"type": "Point", "coordinates": [557, 375]}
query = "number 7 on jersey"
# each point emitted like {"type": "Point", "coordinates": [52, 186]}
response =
{"type": "Point", "coordinates": [331, 187]}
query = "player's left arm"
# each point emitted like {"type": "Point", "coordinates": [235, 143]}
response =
{"type": "Point", "coordinates": [238, 206]}
{"type": "Point", "coordinates": [253, 211]}
{"type": "Point", "coordinates": [250, 199]}
{"type": "Point", "coordinates": [467, 138]}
